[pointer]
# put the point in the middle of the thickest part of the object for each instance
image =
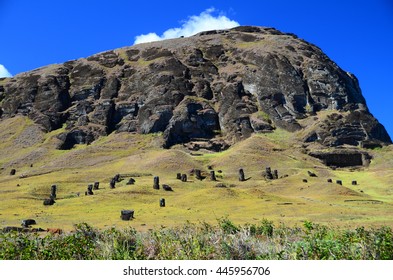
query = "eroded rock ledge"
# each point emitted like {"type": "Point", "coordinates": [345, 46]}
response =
{"type": "Point", "coordinates": [343, 157]}
{"type": "Point", "coordinates": [218, 86]}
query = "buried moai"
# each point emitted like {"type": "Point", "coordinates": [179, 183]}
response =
{"type": "Point", "coordinates": [162, 202]}
{"type": "Point", "coordinates": [178, 176]}
{"type": "Point", "coordinates": [127, 215]}
{"type": "Point", "coordinates": [311, 174]}
{"type": "Point", "coordinates": [339, 182]}
{"type": "Point", "coordinates": [156, 183]}
{"type": "Point", "coordinates": [96, 185]}
{"type": "Point", "coordinates": [354, 183]}
{"type": "Point", "coordinates": [275, 174]}
{"type": "Point", "coordinates": [213, 176]}
{"type": "Point", "coordinates": [13, 172]}
{"type": "Point", "coordinates": [268, 173]}
{"type": "Point", "coordinates": [241, 175]}
{"type": "Point", "coordinates": [117, 178]}
{"type": "Point", "coordinates": [131, 181]}
{"type": "Point", "coordinates": [167, 188]}
{"type": "Point", "coordinates": [198, 174]}
{"type": "Point", "coordinates": [53, 191]}
{"type": "Point", "coordinates": [184, 177]}
{"type": "Point", "coordinates": [112, 183]}
{"type": "Point", "coordinates": [49, 201]}
{"type": "Point", "coordinates": [89, 189]}
{"type": "Point", "coordinates": [28, 222]}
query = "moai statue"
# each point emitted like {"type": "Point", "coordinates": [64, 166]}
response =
{"type": "Point", "coordinates": [198, 174]}
{"type": "Point", "coordinates": [339, 182]}
{"type": "Point", "coordinates": [90, 189]}
{"type": "Point", "coordinates": [275, 174]}
{"type": "Point", "coordinates": [354, 183]}
{"type": "Point", "coordinates": [268, 173]}
{"type": "Point", "coordinates": [213, 176]}
{"type": "Point", "coordinates": [162, 202]}
{"type": "Point", "coordinates": [117, 177]}
{"type": "Point", "coordinates": [53, 191]}
{"type": "Point", "coordinates": [112, 183]}
{"type": "Point", "coordinates": [241, 175]}
{"type": "Point", "coordinates": [131, 181]}
{"type": "Point", "coordinates": [13, 172]}
{"type": "Point", "coordinates": [178, 176]}
{"type": "Point", "coordinates": [127, 215]}
{"type": "Point", "coordinates": [96, 185]}
{"type": "Point", "coordinates": [329, 180]}
{"type": "Point", "coordinates": [184, 177]}
{"type": "Point", "coordinates": [156, 183]}
{"type": "Point", "coordinates": [49, 201]}
{"type": "Point", "coordinates": [167, 188]}
{"type": "Point", "coordinates": [28, 222]}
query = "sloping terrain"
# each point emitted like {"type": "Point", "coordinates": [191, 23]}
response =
{"type": "Point", "coordinates": [287, 199]}
{"type": "Point", "coordinates": [247, 98]}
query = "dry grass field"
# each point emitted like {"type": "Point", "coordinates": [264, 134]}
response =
{"type": "Point", "coordinates": [287, 200]}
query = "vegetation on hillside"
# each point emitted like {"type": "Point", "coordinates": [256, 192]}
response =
{"type": "Point", "coordinates": [224, 240]}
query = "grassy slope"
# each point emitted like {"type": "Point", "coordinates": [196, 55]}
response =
{"type": "Point", "coordinates": [286, 200]}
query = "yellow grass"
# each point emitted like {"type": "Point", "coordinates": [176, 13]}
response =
{"type": "Point", "coordinates": [288, 200]}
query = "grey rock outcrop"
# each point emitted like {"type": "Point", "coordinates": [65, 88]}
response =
{"type": "Point", "coordinates": [222, 85]}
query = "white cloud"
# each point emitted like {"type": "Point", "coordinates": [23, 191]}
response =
{"type": "Point", "coordinates": [4, 72]}
{"type": "Point", "coordinates": [195, 24]}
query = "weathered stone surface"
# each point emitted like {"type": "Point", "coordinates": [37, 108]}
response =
{"type": "Point", "coordinates": [108, 59]}
{"type": "Point", "coordinates": [268, 173]}
{"type": "Point", "coordinates": [275, 174]}
{"type": "Point", "coordinates": [49, 201]}
{"type": "Point", "coordinates": [241, 175]}
{"type": "Point", "coordinates": [28, 222]}
{"type": "Point", "coordinates": [90, 189]}
{"type": "Point", "coordinates": [260, 125]}
{"type": "Point", "coordinates": [53, 191]}
{"type": "Point", "coordinates": [311, 174]}
{"type": "Point", "coordinates": [117, 178]}
{"type": "Point", "coordinates": [217, 88]}
{"type": "Point", "coordinates": [156, 183]}
{"type": "Point", "coordinates": [357, 128]}
{"type": "Point", "coordinates": [198, 174]}
{"type": "Point", "coordinates": [167, 188]}
{"type": "Point", "coordinates": [213, 176]}
{"type": "Point", "coordinates": [343, 158]}
{"type": "Point", "coordinates": [76, 136]}
{"type": "Point", "coordinates": [112, 183]}
{"type": "Point", "coordinates": [191, 119]}
{"type": "Point", "coordinates": [127, 215]}
{"type": "Point", "coordinates": [131, 181]}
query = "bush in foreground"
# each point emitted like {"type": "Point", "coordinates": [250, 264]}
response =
{"type": "Point", "coordinates": [204, 241]}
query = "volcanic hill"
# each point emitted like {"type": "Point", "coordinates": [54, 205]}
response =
{"type": "Point", "coordinates": [248, 97]}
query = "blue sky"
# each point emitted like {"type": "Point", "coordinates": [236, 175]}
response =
{"type": "Point", "coordinates": [357, 35]}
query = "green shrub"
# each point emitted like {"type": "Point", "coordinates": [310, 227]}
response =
{"type": "Point", "coordinates": [204, 241]}
{"type": "Point", "coordinates": [228, 226]}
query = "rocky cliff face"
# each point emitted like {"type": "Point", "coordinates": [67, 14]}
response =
{"type": "Point", "coordinates": [217, 86]}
